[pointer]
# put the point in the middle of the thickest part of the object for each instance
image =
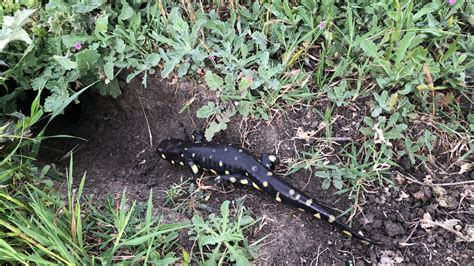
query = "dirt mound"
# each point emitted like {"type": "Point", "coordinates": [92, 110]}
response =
{"type": "Point", "coordinates": [119, 153]}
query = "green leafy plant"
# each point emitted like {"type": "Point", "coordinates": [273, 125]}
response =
{"type": "Point", "coordinates": [414, 149]}
{"type": "Point", "coordinates": [340, 94]}
{"type": "Point", "coordinates": [221, 238]}
{"type": "Point", "coordinates": [37, 227]}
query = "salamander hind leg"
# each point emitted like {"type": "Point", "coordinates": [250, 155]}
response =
{"type": "Point", "coordinates": [198, 136]}
{"type": "Point", "coordinates": [236, 178]}
{"type": "Point", "coordinates": [270, 161]}
{"type": "Point", "coordinates": [194, 168]}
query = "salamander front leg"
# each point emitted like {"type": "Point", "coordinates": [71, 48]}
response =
{"type": "Point", "coordinates": [270, 161]}
{"type": "Point", "coordinates": [198, 136]}
{"type": "Point", "coordinates": [237, 178]}
{"type": "Point", "coordinates": [194, 168]}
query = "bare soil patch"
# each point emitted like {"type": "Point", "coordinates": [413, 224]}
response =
{"type": "Point", "coordinates": [118, 154]}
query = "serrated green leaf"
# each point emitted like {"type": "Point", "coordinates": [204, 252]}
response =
{"type": "Point", "coordinates": [86, 60]}
{"type": "Point", "coordinates": [54, 103]}
{"type": "Point", "coordinates": [403, 46]}
{"type": "Point", "coordinates": [225, 209]}
{"type": "Point", "coordinates": [245, 83]}
{"type": "Point", "coordinates": [369, 48]}
{"type": "Point", "coordinates": [244, 108]}
{"type": "Point", "coordinates": [260, 40]}
{"type": "Point", "coordinates": [183, 69]}
{"type": "Point", "coordinates": [102, 23]}
{"type": "Point", "coordinates": [127, 11]}
{"type": "Point", "coordinates": [87, 6]}
{"type": "Point", "coordinates": [213, 129]}
{"type": "Point", "coordinates": [39, 83]}
{"type": "Point", "coordinates": [337, 183]}
{"type": "Point", "coordinates": [152, 59]}
{"type": "Point", "coordinates": [65, 62]}
{"type": "Point", "coordinates": [213, 81]}
{"type": "Point", "coordinates": [326, 184]}
{"type": "Point", "coordinates": [207, 110]}
{"type": "Point", "coordinates": [168, 68]}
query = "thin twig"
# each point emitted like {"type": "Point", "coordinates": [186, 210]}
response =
{"type": "Point", "coordinates": [147, 124]}
{"type": "Point", "coordinates": [412, 179]}
{"type": "Point", "coordinates": [461, 236]}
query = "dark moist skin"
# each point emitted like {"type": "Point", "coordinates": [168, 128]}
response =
{"type": "Point", "coordinates": [234, 164]}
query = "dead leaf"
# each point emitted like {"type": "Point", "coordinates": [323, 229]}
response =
{"type": "Point", "coordinates": [400, 178]}
{"type": "Point", "coordinates": [444, 200]}
{"type": "Point", "coordinates": [420, 195]}
{"type": "Point", "coordinates": [389, 257]}
{"type": "Point", "coordinates": [439, 191]}
{"type": "Point", "coordinates": [402, 195]}
{"type": "Point", "coordinates": [426, 222]}
{"type": "Point", "coordinates": [464, 168]}
{"type": "Point", "coordinates": [306, 135]}
{"type": "Point", "coordinates": [379, 137]}
{"type": "Point", "coordinates": [469, 233]}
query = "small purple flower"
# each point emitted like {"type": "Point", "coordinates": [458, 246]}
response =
{"type": "Point", "coordinates": [452, 2]}
{"type": "Point", "coordinates": [78, 46]}
{"type": "Point", "coordinates": [322, 25]}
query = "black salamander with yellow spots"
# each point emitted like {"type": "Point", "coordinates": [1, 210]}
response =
{"type": "Point", "coordinates": [234, 164]}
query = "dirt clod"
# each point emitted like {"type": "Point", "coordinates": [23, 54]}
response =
{"type": "Point", "coordinates": [394, 228]}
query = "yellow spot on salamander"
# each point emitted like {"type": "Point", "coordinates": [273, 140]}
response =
{"type": "Point", "coordinates": [308, 202]}
{"type": "Point", "coordinates": [232, 179]}
{"type": "Point", "coordinates": [181, 163]}
{"type": "Point", "coordinates": [265, 184]}
{"type": "Point", "coordinates": [254, 168]}
{"type": "Point", "coordinates": [193, 155]}
{"type": "Point", "coordinates": [195, 169]}
{"type": "Point", "coordinates": [240, 150]}
{"type": "Point", "coordinates": [244, 181]}
{"type": "Point", "coordinates": [317, 215]}
{"type": "Point", "coordinates": [347, 233]}
{"type": "Point", "coordinates": [277, 197]}
{"type": "Point", "coordinates": [247, 174]}
{"type": "Point", "coordinates": [255, 186]}
{"type": "Point", "coordinates": [182, 154]}
{"type": "Point", "coordinates": [301, 209]}
{"type": "Point", "coordinates": [291, 192]}
{"type": "Point", "coordinates": [269, 173]}
{"type": "Point", "coordinates": [221, 164]}
{"type": "Point", "coordinates": [298, 196]}
{"type": "Point", "coordinates": [172, 162]}
{"type": "Point", "coordinates": [226, 172]}
{"type": "Point", "coordinates": [365, 242]}
{"type": "Point", "coordinates": [213, 171]}
{"type": "Point", "coordinates": [331, 219]}
{"type": "Point", "coordinates": [163, 156]}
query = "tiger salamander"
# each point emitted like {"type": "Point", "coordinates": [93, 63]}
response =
{"type": "Point", "coordinates": [236, 165]}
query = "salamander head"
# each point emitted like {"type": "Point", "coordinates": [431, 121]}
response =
{"type": "Point", "coordinates": [171, 148]}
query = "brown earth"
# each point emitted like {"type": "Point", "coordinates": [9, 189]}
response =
{"type": "Point", "coordinates": [119, 153]}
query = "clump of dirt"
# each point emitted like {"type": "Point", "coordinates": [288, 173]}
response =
{"type": "Point", "coordinates": [119, 152]}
